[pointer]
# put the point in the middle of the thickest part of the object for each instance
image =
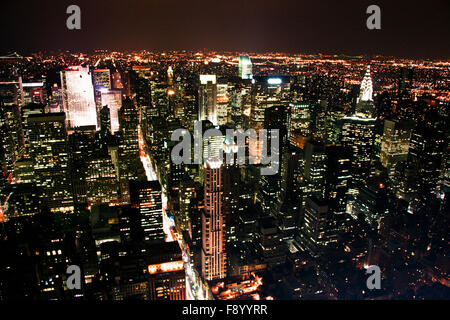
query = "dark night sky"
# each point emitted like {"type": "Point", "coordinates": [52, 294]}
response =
{"type": "Point", "coordinates": [409, 28]}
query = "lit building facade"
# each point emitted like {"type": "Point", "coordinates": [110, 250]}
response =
{"type": "Point", "coordinates": [78, 97]}
{"type": "Point", "coordinates": [213, 246]}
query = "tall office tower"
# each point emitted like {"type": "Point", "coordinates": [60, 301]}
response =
{"type": "Point", "coordinates": [372, 201]}
{"type": "Point", "coordinates": [271, 245]}
{"type": "Point", "coordinates": [78, 97]}
{"type": "Point", "coordinates": [364, 105]}
{"type": "Point", "coordinates": [166, 274]}
{"type": "Point", "coordinates": [130, 164]}
{"type": "Point", "coordinates": [270, 194]}
{"type": "Point", "coordinates": [146, 196]}
{"type": "Point", "coordinates": [359, 134]}
{"type": "Point", "coordinates": [190, 107]}
{"type": "Point", "coordinates": [319, 117]}
{"type": "Point", "coordinates": [278, 117]}
{"type": "Point", "coordinates": [266, 92]}
{"type": "Point", "coordinates": [47, 146]}
{"type": "Point", "coordinates": [231, 192]}
{"type": "Point", "coordinates": [240, 102]}
{"type": "Point", "coordinates": [105, 119]}
{"type": "Point", "coordinates": [426, 153]}
{"type": "Point", "coordinates": [213, 246]}
{"type": "Point", "coordinates": [245, 67]}
{"type": "Point", "coordinates": [81, 146]}
{"type": "Point", "coordinates": [395, 145]}
{"type": "Point", "coordinates": [112, 99]}
{"type": "Point", "coordinates": [159, 99]}
{"type": "Point", "coordinates": [11, 138]}
{"type": "Point", "coordinates": [102, 181]}
{"type": "Point", "coordinates": [313, 233]}
{"type": "Point", "coordinates": [208, 98]}
{"type": "Point", "coordinates": [337, 182]}
{"type": "Point", "coordinates": [314, 169]}
{"type": "Point", "coordinates": [212, 146]}
{"type": "Point", "coordinates": [25, 111]}
{"type": "Point", "coordinates": [102, 79]}
{"type": "Point", "coordinates": [223, 106]}
{"type": "Point", "coordinates": [301, 119]}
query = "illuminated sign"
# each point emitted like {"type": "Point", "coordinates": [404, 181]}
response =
{"type": "Point", "coordinates": [274, 81]}
{"type": "Point", "coordinates": [166, 267]}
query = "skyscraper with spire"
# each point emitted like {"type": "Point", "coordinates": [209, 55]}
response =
{"type": "Point", "coordinates": [364, 105]}
{"type": "Point", "coordinates": [358, 133]}
{"type": "Point", "coordinates": [366, 91]}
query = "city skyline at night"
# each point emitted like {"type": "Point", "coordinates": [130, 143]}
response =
{"type": "Point", "coordinates": [253, 152]}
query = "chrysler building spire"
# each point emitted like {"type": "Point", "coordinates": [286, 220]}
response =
{"type": "Point", "coordinates": [366, 90]}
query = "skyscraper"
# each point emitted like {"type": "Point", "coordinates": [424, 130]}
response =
{"type": "Point", "coordinates": [395, 145]}
{"type": "Point", "coordinates": [146, 196]}
{"type": "Point", "coordinates": [359, 133]}
{"type": "Point", "coordinates": [208, 98]}
{"type": "Point", "coordinates": [47, 146]}
{"type": "Point", "coordinates": [11, 138]}
{"type": "Point", "coordinates": [102, 79]}
{"type": "Point", "coordinates": [366, 90]}
{"type": "Point", "coordinates": [364, 105]}
{"type": "Point", "coordinates": [213, 245]}
{"type": "Point", "coordinates": [245, 67]}
{"type": "Point", "coordinates": [315, 226]}
{"type": "Point", "coordinates": [78, 97]}
{"type": "Point", "coordinates": [112, 99]}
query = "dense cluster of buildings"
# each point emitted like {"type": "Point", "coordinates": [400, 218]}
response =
{"type": "Point", "coordinates": [87, 176]}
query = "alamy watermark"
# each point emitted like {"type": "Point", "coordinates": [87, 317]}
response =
{"type": "Point", "coordinates": [374, 20]}
{"type": "Point", "coordinates": [73, 22]}
{"type": "Point", "coordinates": [74, 277]}
{"type": "Point", "coordinates": [374, 281]}
{"type": "Point", "coordinates": [235, 153]}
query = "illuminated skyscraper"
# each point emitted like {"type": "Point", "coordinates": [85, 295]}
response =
{"type": "Point", "coordinates": [208, 98]}
{"type": "Point", "coordinates": [112, 99]}
{"type": "Point", "coordinates": [245, 67]}
{"type": "Point", "coordinates": [395, 144]}
{"type": "Point", "coordinates": [101, 180]}
{"type": "Point", "coordinates": [364, 105]}
{"type": "Point", "coordinates": [313, 235]}
{"type": "Point", "coordinates": [11, 138]}
{"type": "Point", "coordinates": [222, 104]}
{"type": "Point", "coordinates": [266, 92]}
{"type": "Point", "coordinates": [102, 79]}
{"type": "Point", "coordinates": [78, 97]}
{"type": "Point", "coordinates": [359, 133]}
{"type": "Point", "coordinates": [47, 146]}
{"type": "Point", "coordinates": [366, 91]}
{"type": "Point", "coordinates": [146, 196]}
{"type": "Point", "coordinates": [213, 246]}
{"type": "Point", "coordinates": [130, 164]}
